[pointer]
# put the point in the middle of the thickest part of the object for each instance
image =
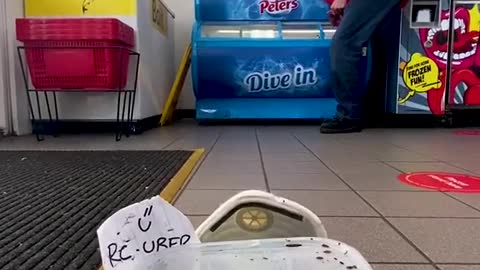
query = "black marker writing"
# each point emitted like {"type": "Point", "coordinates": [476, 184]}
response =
{"type": "Point", "coordinates": [111, 253]}
{"type": "Point", "coordinates": [148, 251]}
{"type": "Point", "coordinates": [161, 243]}
{"type": "Point", "coordinates": [164, 242]}
{"type": "Point", "coordinates": [121, 254]}
{"type": "Point", "coordinates": [117, 255]}
{"type": "Point", "coordinates": [147, 213]}
{"type": "Point", "coordinates": [114, 256]}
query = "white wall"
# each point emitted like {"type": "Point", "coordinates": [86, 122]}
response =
{"type": "Point", "coordinates": [157, 70]}
{"type": "Point", "coordinates": [4, 86]}
{"type": "Point", "coordinates": [184, 18]}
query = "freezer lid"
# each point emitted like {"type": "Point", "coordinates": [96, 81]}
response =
{"type": "Point", "coordinates": [328, 30]}
{"type": "Point", "coordinates": [301, 30]}
{"type": "Point", "coordinates": [220, 31]}
{"type": "Point", "coordinates": [268, 30]}
{"type": "Point", "coordinates": [253, 31]}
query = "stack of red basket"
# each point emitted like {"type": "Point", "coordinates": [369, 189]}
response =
{"type": "Point", "coordinates": [77, 53]}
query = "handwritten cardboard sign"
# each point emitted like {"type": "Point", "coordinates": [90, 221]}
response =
{"type": "Point", "coordinates": [135, 235]}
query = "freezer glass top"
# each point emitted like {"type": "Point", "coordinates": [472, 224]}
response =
{"type": "Point", "coordinates": [221, 31]}
{"type": "Point", "coordinates": [260, 31]}
{"type": "Point", "coordinates": [301, 31]}
{"type": "Point", "coordinates": [285, 30]}
{"type": "Point", "coordinates": [328, 30]}
{"type": "Point", "coordinates": [253, 31]}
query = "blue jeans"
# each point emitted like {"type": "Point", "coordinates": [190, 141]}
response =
{"type": "Point", "coordinates": [360, 20]}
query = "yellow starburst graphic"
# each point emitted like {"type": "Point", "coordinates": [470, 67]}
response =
{"type": "Point", "coordinates": [474, 18]}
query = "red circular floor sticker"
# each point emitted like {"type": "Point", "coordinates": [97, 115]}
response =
{"type": "Point", "coordinates": [467, 132]}
{"type": "Point", "coordinates": [444, 182]}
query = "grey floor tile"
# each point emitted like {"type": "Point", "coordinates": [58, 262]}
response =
{"type": "Point", "coordinates": [470, 199]}
{"type": "Point", "coordinates": [233, 156]}
{"type": "Point", "coordinates": [443, 240]}
{"type": "Point", "coordinates": [345, 157]}
{"type": "Point", "coordinates": [444, 152]}
{"type": "Point", "coordinates": [207, 180]}
{"type": "Point", "coordinates": [236, 144]}
{"type": "Point", "coordinates": [418, 204]}
{"type": "Point", "coordinates": [267, 157]}
{"type": "Point", "coordinates": [349, 165]}
{"type": "Point", "coordinates": [224, 166]}
{"type": "Point", "coordinates": [239, 149]}
{"type": "Point", "coordinates": [309, 181]}
{"type": "Point", "coordinates": [471, 165]}
{"type": "Point", "coordinates": [329, 203]}
{"type": "Point", "coordinates": [283, 149]}
{"type": "Point", "coordinates": [202, 202]}
{"type": "Point", "coordinates": [409, 167]}
{"type": "Point", "coordinates": [396, 154]}
{"type": "Point", "coordinates": [460, 267]}
{"type": "Point", "coordinates": [275, 167]}
{"type": "Point", "coordinates": [203, 139]}
{"type": "Point", "coordinates": [402, 267]}
{"type": "Point", "coordinates": [375, 176]}
{"type": "Point", "coordinates": [192, 143]}
{"type": "Point", "coordinates": [197, 220]}
{"type": "Point", "coordinates": [152, 140]}
{"type": "Point", "coordinates": [241, 138]}
{"type": "Point", "coordinates": [374, 238]}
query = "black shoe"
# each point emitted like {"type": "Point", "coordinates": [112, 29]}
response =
{"type": "Point", "coordinates": [340, 126]}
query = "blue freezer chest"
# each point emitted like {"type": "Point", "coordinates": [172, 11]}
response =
{"type": "Point", "coordinates": [270, 66]}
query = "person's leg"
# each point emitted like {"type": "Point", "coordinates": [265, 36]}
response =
{"type": "Point", "coordinates": [383, 50]}
{"type": "Point", "coordinates": [359, 22]}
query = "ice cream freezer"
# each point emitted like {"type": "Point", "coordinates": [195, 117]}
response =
{"type": "Point", "coordinates": [272, 66]}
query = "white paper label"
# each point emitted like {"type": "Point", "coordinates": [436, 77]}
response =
{"type": "Point", "coordinates": [135, 235]}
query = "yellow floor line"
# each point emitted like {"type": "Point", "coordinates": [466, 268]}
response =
{"type": "Point", "coordinates": [180, 180]}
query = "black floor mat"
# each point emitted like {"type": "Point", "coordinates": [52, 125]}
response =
{"type": "Point", "coordinates": [51, 203]}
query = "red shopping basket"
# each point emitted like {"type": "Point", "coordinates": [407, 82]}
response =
{"type": "Point", "coordinates": [76, 53]}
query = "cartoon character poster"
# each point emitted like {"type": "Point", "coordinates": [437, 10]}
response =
{"type": "Point", "coordinates": [423, 63]}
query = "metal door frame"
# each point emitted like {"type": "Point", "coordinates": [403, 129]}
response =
{"type": "Point", "coordinates": [5, 71]}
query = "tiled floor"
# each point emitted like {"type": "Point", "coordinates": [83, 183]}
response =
{"type": "Point", "coordinates": [350, 181]}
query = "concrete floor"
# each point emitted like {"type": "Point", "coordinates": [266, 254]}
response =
{"type": "Point", "coordinates": [350, 181]}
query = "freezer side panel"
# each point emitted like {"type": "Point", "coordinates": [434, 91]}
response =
{"type": "Point", "coordinates": [269, 71]}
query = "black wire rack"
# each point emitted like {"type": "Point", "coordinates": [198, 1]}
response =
{"type": "Point", "coordinates": [126, 94]}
